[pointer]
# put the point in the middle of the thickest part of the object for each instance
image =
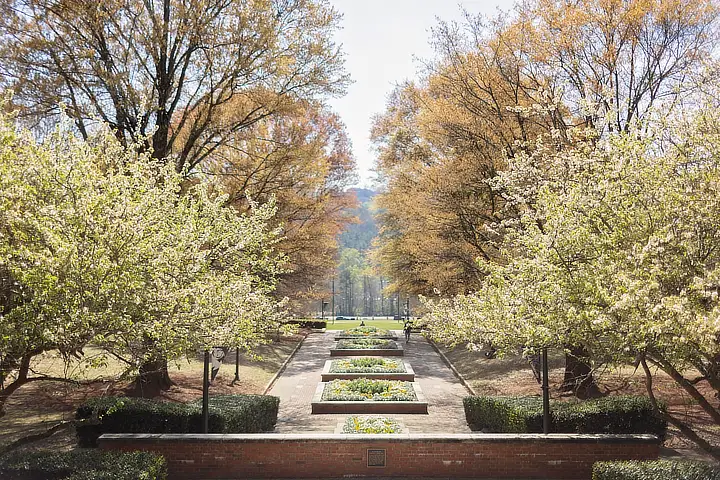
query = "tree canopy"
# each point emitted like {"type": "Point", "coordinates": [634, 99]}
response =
{"type": "Point", "coordinates": [619, 254]}
{"type": "Point", "coordinates": [102, 249]}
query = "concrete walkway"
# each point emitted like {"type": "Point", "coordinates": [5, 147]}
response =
{"type": "Point", "coordinates": [297, 384]}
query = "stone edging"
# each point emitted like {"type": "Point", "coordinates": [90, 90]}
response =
{"type": "Point", "coordinates": [282, 368]}
{"type": "Point", "coordinates": [452, 367]}
{"type": "Point", "coordinates": [109, 438]}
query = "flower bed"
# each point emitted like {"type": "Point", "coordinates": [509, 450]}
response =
{"type": "Point", "coordinates": [366, 332]}
{"type": "Point", "coordinates": [369, 396]}
{"type": "Point", "coordinates": [366, 343]}
{"type": "Point", "coordinates": [365, 389]}
{"type": "Point", "coordinates": [367, 347]}
{"type": "Point", "coordinates": [365, 424]}
{"type": "Point", "coordinates": [367, 365]}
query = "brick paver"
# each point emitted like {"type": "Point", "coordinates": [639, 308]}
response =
{"type": "Point", "coordinates": [297, 384]}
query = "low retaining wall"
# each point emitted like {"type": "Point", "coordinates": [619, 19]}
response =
{"type": "Point", "coordinates": [517, 456]}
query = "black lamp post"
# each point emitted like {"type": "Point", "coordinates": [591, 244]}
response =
{"type": "Point", "coordinates": [206, 392]}
{"type": "Point", "coordinates": [546, 392]}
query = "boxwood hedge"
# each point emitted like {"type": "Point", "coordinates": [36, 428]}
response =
{"type": "Point", "coordinates": [83, 465]}
{"type": "Point", "coordinates": [620, 414]}
{"type": "Point", "coordinates": [655, 470]}
{"type": "Point", "coordinates": [227, 414]}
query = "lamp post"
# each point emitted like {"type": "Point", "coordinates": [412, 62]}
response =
{"type": "Point", "coordinates": [546, 392]}
{"type": "Point", "coordinates": [206, 391]}
{"type": "Point", "coordinates": [237, 366]}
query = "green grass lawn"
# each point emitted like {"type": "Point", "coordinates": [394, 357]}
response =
{"type": "Point", "coordinates": [379, 323]}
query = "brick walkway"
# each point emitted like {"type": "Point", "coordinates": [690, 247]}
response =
{"type": "Point", "coordinates": [297, 384]}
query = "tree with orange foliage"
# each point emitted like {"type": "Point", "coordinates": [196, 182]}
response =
{"type": "Point", "coordinates": [301, 157]}
{"type": "Point", "coordinates": [554, 71]}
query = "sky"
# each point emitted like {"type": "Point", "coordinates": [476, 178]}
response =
{"type": "Point", "coordinates": [382, 40]}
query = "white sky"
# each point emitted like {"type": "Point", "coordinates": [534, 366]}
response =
{"type": "Point", "coordinates": [381, 40]}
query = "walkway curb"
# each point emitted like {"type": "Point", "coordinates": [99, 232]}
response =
{"type": "Point", "coordinates": [452, 367]}
{"type": "Point", "coordinates": [283, 366]}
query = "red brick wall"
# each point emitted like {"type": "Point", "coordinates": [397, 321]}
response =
{"type": "Point", "coordinates": [330, 456]}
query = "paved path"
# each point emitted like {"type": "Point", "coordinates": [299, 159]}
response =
{"type": "Point", "coordinates": [297, 384]}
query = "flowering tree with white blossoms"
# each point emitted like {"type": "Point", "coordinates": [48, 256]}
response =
{"type": "Point", "coordinates": [105, 245]}
{"type": "Point", "coordinates": [618, 252]}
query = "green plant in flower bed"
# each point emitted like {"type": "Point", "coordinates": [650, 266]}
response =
{"type": "Point", "coordinates": [367, 365]}
{"type": "Point", "coordinates": [365, 331]}
{"type": "Point", "coordinates": [366, 343]}
{"type": "Point", "coordinates": [363, 424]}
{"type": "Point", "coordinates": [364, 389]}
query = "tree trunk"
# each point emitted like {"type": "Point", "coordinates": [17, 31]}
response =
{"type": "Point", "coordinates": [578, 374]}
{"type": "Point", "coordinates": [23, 370]}
{"type": "Point", "coordinates": [153, 378]}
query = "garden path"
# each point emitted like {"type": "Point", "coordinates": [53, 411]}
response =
{"type": "Point", "coordinates": [298, 382]}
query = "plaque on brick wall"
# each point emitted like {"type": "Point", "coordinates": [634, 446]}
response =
{"type": "Point", "coordinates": [375, 457]}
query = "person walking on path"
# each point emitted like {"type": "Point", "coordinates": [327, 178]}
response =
{"type": "Point", "coordinates": [407, 329]}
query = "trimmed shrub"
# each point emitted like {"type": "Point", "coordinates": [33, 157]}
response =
{"type": "Point", "coordinates": [227, 414]}
{"type": "Point", "coordinates": [317, 324]}
{"type": "Point", "coordinates": [655, 470]}
{"type": "Point", "coordinates": [242, 413]}
{"type": "Point", "coordinates": [83, 465]}
{"type": "Point", "coordinates": [621, 414]}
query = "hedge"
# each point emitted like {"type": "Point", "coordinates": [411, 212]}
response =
{"type": "Point", "coordinates": [83, 465]}
{"type": "Point", "coordinates": [655, 470]}
{"type": "Point", "coordinates": [317, 324]}
{"type": "Point", "coordinates": [619, 414]}
{"type": "Point", "coordinates": [227, 414]}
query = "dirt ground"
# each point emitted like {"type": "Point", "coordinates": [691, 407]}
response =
{"type": "Point", "coordinates": [38, 406]}
{"type": "Point", "coordinates": [512, 375]}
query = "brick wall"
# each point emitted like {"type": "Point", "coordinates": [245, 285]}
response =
{"type": "Point", "coordinates": [524, 456]}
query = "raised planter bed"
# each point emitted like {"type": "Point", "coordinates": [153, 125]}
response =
{"type": "Point", "coordinates": [381, 350]}
{"type": "Point", "coordinates": [369, 406]}
{"type": "Point", "coordinates": [407, 376]}
{"type": "Point", "coordinates": [366, 332]}
{"type": "Point", "coordinates": [398, 427]}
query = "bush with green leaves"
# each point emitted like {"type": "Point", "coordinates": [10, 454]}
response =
{"type": "Point", "coordinates": [619, 414]}
{"type": "Point", "coordinates": [367, 365]}
{"type": "Point", "coordinates": [655, 470]}
{"type": "Point", "coordinates": [227, 414]}
{"type": "Point", "coordinates": [83, 465]}
{"type": "Point", "coordinates": [365, 424]}
{"type": "Point", "coordinates": [366, 343]}
{"type": "Point", "coordinates": [364, 389]}
{"type": "Point", "coordinates": [318, 324]}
